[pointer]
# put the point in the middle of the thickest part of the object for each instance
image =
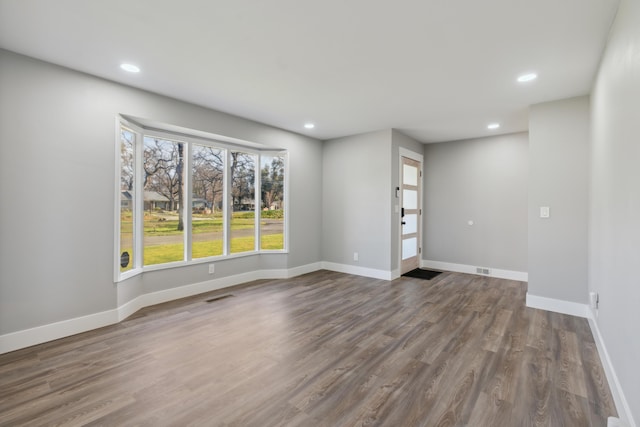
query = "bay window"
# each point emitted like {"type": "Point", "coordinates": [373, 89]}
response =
{"type": "Point", "coordinates": [185, 199]}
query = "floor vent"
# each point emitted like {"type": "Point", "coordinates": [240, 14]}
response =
{"type": "Point", "coordinates": [214, 299]}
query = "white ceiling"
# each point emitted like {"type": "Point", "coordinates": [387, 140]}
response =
{"type": "Point", "coordinates": [437, 70]}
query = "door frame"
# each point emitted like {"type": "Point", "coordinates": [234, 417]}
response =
{"type": "Point", "coordinates": [403, 152]}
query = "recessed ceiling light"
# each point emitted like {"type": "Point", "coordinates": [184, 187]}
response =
{"type": "Point", "coordinates": [527, 77]}
{"type": "Point", "coordinates": [493, 126]}
{"type": "Point", "coordinates": [309, 125]}
{"type": "Point", "coordinates": [130, 68]}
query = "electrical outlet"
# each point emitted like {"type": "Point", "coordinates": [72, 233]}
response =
{"type": "Point", "coordinates": [355, 256]}
{"type": "Point", "coordinates": [482, 270]}
{"type": "Point", "coordinates": [212, 268]}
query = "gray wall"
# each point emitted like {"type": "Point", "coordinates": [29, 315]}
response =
{"type": "Point", "coordinates": [57, 160]}
{"type": "Point", "coordinates": [360, 173]}
{"type": "Point", "coordinates": [483, 180]}
{"type": "Point", "coordinates": [558, 178]}
{"type": "Point", "coordinates": [356, 200]}
{"type": "Point", "coordinates": [614, 229]}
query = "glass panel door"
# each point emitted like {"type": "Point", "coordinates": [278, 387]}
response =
{"type": "Point", "coordinates": [410, 214]}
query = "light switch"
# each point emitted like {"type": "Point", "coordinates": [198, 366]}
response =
{"type": "Point", "coordinates": [544, 212]}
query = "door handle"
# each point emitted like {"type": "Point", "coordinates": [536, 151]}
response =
{"type": "Point", "coordinates": [403, 223]}
{"type": "Point", "coordinates": [402, 212]}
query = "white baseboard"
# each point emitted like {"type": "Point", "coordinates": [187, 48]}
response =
{"type": "Point", "coordinates": [471, 269]}
{"type": "Point", "coordinates": [616, 422]}
{"type": "Point", "coordinates": [40, 334]}
{"type": "Point", "coordinates": [622, 405]}
{"type": "Point", "coordinates": [130, 307]}
{"type": "Point", "coordinates": [558, 306]}
{"type": "Point", "coordinates": [303, 269]}
{"type": "Point", "coordinates": [159, 297]}
{"type": "Point", "coordinates": [358, 271]}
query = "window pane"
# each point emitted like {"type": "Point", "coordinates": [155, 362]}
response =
{"type": "Point", "coordinates": [243, 202]}
{"type": "Point", "coordinates": [409, 199]}
{"type": "Point", "coordinates": [410, 224]}
{"type": "Point", "coordinates": [409, 175]}
{"type": "Point", "coordinates": [409, 248]}
{"type": "Point", "coordinates": [163, 201]}
{"type": "Point", "coordinates": [272, 203]}
{"type": "Point", "coordinates": [207, 219]}
{"type": "Point", "coordinates": [127, 198]}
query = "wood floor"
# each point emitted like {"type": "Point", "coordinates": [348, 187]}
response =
{"type": "Point", "coordinates": [323, 349]}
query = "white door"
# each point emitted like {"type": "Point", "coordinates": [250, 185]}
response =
{"type": "Point", "coordinates": [410, 214]}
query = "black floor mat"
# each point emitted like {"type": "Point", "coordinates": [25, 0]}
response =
{"type": "Point", "coordinates": [422, 274]}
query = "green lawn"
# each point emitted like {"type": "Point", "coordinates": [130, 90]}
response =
{"type": "Point", "coordinates": [170, 227]}
{"type": "Point", "coordinates": [156, 225]}
{"type": "Point", "coordinates": [170, 253]}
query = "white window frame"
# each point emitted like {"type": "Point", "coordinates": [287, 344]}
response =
{"type": "Point", "coordinates": [225, 143]}
{"type": "Point", "coordinates": [136, 259]}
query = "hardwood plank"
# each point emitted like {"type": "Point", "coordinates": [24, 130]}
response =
{"type": "Point", "coordinates": [322, 349]}
{"type": "Point", "coordinates": [418, 398]}
{"type": "Point", "coordinates": [569, 372]}
{"type": "Point", "coordinates": [598, 393]}
{"type": "Point", "coordinates": [533, 404]}
{"type": "Point", "coordinates": [494, 336]}
{"type": "Point", "coordinates": [491, 410]}
{"type": "Point", "coordinates": [464, 385]}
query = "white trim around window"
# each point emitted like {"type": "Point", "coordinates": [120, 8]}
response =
{"type": "Point", "coordinates": [136, 202]}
